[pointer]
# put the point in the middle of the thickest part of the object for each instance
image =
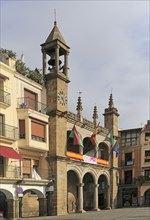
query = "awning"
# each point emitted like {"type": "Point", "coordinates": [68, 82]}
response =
{"type": "Point", "coordinates": [10, 153]}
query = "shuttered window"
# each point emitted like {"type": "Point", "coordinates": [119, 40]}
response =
{"type": "Point", "coordinates": [22, 129]}
{"type": "Point", "coordinates": [26, 167]}
{"type": "Point", "coordinates": [37, 131]}
{"type": "Point", "coordinates": [30, 99]}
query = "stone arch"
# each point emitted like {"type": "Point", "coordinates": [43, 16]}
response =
{"type": "Point", "coordinates": [70, 146]}
{"type": "Point", "coordinates": [147, 197]}
{"type": "Point", "coordinates": [103, 191]}
{"type": "Point", "coordinates": [103, 151]}
{"type": "Point", "coordinates": [89, 148]}
{"type": "Point", "coordinates": [6, 203]}
{"type": "Point", "coordinates": [32, 203]}
{"type": "Point", "coordinates": [73, 181]}
{"type": "Point", "coordinates": [88, 191]}
{"type": "Point", "coordinates": [76, 169]}
{"type": "Point", "coordinates": [92, 172]}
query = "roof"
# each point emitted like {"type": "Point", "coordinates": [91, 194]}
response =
{"type": "Point", "coordinates": [55, 35]}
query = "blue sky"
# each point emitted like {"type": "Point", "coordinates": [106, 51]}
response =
{"type": "Point", "coordinates": [109, 50]}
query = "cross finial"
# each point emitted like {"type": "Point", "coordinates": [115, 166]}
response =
{"type": "Point", "coordinates": [79, 92]}
{"type": "Point", "coordinates": [111, 90]}
{"type": "Point", "coordinates": [55, 14]}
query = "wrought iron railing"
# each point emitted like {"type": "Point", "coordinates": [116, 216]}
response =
{"type": "Point", "coordinates": [19, 172]}
{"type": "Point", "coordinates": [26, 102]}
{"type": "Point", "coordinates": [5, 97]}
{"type": "Point", "coordinates": [8, 131]}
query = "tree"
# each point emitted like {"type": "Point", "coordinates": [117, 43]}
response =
{"type": "Point", "coordinates": [10, 53]}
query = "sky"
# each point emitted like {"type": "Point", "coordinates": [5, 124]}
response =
{"type": "Point", "coordinates": [109, 50]}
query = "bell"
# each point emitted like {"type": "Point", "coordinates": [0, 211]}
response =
{"type": "Point", "coordinates": [51, 62]}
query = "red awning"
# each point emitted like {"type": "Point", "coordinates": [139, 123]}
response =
{"type": "Point", "coordinates": [10, 153]}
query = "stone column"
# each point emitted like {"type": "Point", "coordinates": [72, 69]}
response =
{"type": "Point", "coordinates": [95, 208]}
{"type": "Point", "coordinates": [44, 63]}
{"type": "Point", "coordinates": [108, 198]}
{"type": "Point", "coordinates": [80, 150]}
{"type": "Point", "coordinates": [16, 208]}
{"type": "Point", "coordinates": [57, 59]}
{"type": "Point", "coordinates": [9, 214]}
{"type": "Point", "coordinates": [42, 206]}
{"type": "Point", "coordinates": [66, 64]}
{"type": "Point", "coordinates": [80, 198]}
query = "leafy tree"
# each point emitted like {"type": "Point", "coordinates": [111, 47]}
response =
{"type": "Point", "coordinates": [21, 68]}
{"type": "Point", "coordinates": [35, 75]}
{"type": "Point", "coordinates": [10, 53]}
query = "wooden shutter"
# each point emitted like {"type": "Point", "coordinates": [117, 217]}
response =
{"type": "Point", "coordinates": [27, 166]}
{"type": "Point", "coordinates": [37, 129]}
{"type": "Point", "coordinates": [22, 128]}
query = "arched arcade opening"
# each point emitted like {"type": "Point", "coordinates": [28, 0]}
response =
{"type": "Point", "coordinates": [72, 191]}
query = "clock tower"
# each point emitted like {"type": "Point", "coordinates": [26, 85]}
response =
{"type": "Point", "coordinates": [55, 70]}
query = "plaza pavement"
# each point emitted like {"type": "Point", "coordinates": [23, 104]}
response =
{"type": "Point", "coordinates": [113, 214]}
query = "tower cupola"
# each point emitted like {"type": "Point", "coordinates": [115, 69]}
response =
{"type": "Point", "coordinates": [57, 50]}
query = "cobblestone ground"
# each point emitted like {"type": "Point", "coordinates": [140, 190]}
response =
{"type": "Point", "coordinates": [114, 214]}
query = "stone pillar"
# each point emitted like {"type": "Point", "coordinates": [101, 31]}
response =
{"type": "Point", "coordinates": [96, 150]}
{"type": "Point", "coordinates": [66, 64]}
{"type": "Point", "coordinates": [80, 150]}
{"type": "Point", "coordinates": [42, 206]}
{"type": "Point", "coordinates": [9, 214]}
{"type": "Point", "coordinates": [57, 59]}
{"type": "Point", "coordinates": [16, 208]}
{"type": "Point", "coordinates": [95, 208]}
{"type": "Point", "coordinates": [80, 198]}
{"type": "Point", "coordinates": [108, 198]}
{"type": "Point", "coordinates": [44, 63]}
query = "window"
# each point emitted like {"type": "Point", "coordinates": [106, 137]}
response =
{"type": "Point", "coordinates": [1, 124]}
{"type": "Point", "coordinates": [26, 168]}
{"type": "Point", "coordinates": [22, 129]}
{"type": "Point", "coordinates": [128, 159]}
{"type": "Point", "coordinates": [128, 177]}
{"type": "Point", "coordinates": [147, 136]}
{"type": "Point", "coordinates": [147, 174]}
{"type": "Point", "coordinates": [147, 156]}
{"type": "Point", "coordinates": [129, 138]}
{"type": "Point", "coordinates": [38, 131]}
{"type": "Point", "coordinates": [1, 166]}
{"type": "Point", "coordinates": [30, 99]}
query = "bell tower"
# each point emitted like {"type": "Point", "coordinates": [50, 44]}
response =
{"type": "Point", "coordinates": [55, 70]}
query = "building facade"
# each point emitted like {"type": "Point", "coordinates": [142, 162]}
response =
{"type": "Point", "coordinates": [42, 171]}
{"type": "Point", "coordinates": [134, 167]}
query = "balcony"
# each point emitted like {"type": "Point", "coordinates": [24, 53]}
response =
{"type": "Point", "coordinates": [143, 180]}
{"type": "Point", "coordinates": [16, 172]}
{"type": "Point", "coordinates": [8, 132]}
{"type": "Point", "coordinates": [5, 100]}
{"type": "Point", "coordinates": [127, 163]}
{"type": "Point", "coordinates": [26, 102]}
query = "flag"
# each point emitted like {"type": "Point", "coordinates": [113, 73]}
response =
{"type": "Point", "coordinates": [111, 137]}
{"type": "Point", "coordinates": [93, 136]}
{"type": "Point", "coordinates": [76, 137]}
{"type": "Point", "coordinates": [116, 148]}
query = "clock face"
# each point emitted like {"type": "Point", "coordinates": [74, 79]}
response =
{"type": "Point", "coordinates": [62, 99]}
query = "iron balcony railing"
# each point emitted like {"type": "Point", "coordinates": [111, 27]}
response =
{"type": "Point", "coordinates": [8, 131]}
{"type": "Point", "coordinates": [15, 171]}
{"type": "Point", "coordinates": [5, 97]}
{"type": "Point", "coordinates": [26, 102]}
